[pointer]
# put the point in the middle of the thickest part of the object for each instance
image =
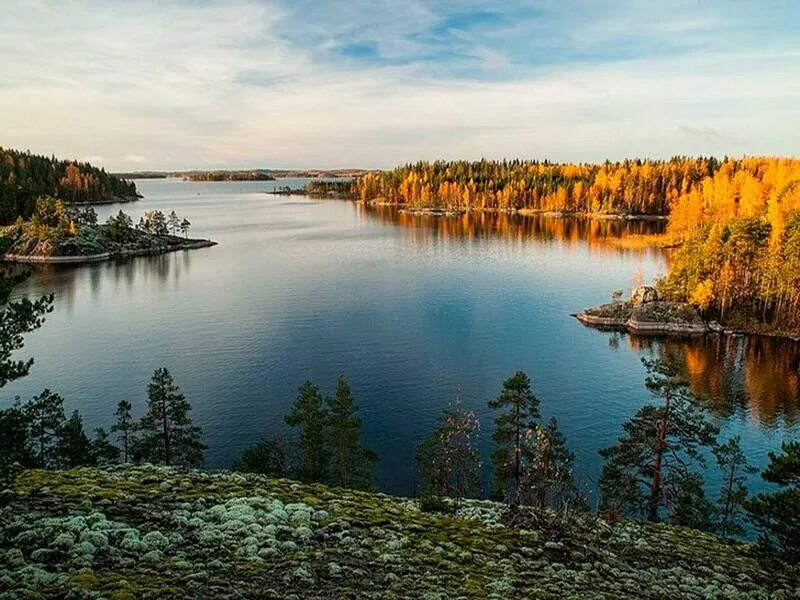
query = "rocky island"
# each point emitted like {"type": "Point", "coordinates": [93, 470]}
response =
{"type": "Point", "coordinates": [56, 235]}
{"type": "Point", "coordinates": [645, 313]}
{"type": "Point", "coordinates": [156, 532]}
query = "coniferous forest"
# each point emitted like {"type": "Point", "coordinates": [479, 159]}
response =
{"type": "Point", "coordinates": [25, 177]}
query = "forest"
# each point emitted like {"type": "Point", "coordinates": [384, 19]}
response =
{"type": "Point", "coordinates": [735, 222]}
{"type": "Point", "coordinates": [25, 177]}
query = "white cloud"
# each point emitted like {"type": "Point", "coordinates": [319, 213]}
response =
{"type": "Point", "coordinates": [222, 85]}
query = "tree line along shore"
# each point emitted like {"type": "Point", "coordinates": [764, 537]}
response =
{"type": "Point", "coordinates": [734, 224]}
{"type": "Point", "coordinates": [46, 214]}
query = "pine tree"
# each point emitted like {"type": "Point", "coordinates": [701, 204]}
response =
{"type": "Point", "coordinates": [167, 433]}
{"type": "Point", "coordinates": [103, 451]}
{"type": "Point", "coordinates": [448, 459]}
{"type": "Point", "coordinates": [511, 429]}
{"type": "Point", "coordinates": [548, 479]}
{"type": "Point", "coordinates": [353, 463]}
{"type": "Point", "coordinates": [777, 514]}
{"type": "Point", "coordinates": [73, 448]}
{"type": "Point", "coordinates": [185, 225]}
{"type": "Point", "coordinates": [173, 223]}
{"type": "Point", "coordinates": [649, 469]}
{"type": "Point", "coordinates": [267, 457]}
{"type": "Point", "coordinates": [734, 467]}
{"type": "Point", "coordinates": [124, 428]}
{"type": "Point", "coordinates": [308, 413]}
{"type": "Point", "coordinates": [15, 451]}
{"type": "Point", "coordinates": [45, 414]}
{"type": "Point", "coordinates": [16, 319]}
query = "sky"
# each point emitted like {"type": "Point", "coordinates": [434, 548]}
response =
{"type": "Point", "coordinates": [179, 84]}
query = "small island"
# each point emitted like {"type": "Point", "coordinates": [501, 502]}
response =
{"type": "Point", "coordinates": [57, 235]}
{"type": "Point", "coordinates": [257, 175]}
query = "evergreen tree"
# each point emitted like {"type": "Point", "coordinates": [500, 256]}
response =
{"type": "Point", "coordinates": [185, 226]}
{"type": "Point", "coordinates": [124, 428]}
{"type": "Point", "coordinates": [308, 413]}
{"type": "Point", "coordinates": [45, 414]}
{"type": "Point", "coordinates": [167, 433]}
{"type": "Point", "coordinates": [649, 469]}
{"type": "Point", "coordinates": [173, 223]}
{"type": "Point", "coordinates": [777, 514]}
{"type": "Point", "coordinates": [15, 451]}
{"type": "Point", "coordinates": [511, 428]}
{"type": "Point", "coordinates": [691, 507]}
{"type": "Point", "coordinates": [267, 457]}
{"type": "Point", "coordinates": [353, 463]}
{"type": "Point", "coordinates": [734, 467]}
{"type": "Point", "coordinates": [16, 319]}
{"type": "Point", "coordinates": [103, 451]}
{"type": "Point", "coordinates": [448, 459]}
{"type": "Point", "coordinates": [548, 474]}
{"type": "Point", "coordinates": [73, 448]}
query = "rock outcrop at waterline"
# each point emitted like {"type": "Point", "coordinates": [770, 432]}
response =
{"type": "Point", "coordinates": [154, 532]}
{"type": "Point", "coordinates": [645, 314]}
{"type": "Point", "coordinates": [90, 244]}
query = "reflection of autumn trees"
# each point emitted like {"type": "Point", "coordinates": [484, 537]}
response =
{"type": "Point", "coordinates": [596, 233]}
{"type": "Point", "coordinates": [739, 219]}
{"type": "Point", "coordinates": [759, 374]}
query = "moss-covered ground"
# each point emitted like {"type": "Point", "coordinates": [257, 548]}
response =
{"type": "Point", "coordinates": [153, 532]}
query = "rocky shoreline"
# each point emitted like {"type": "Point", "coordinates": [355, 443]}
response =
{"type": "Point", "coordinates": [104, 256]}
{"type": "Point", "coordinates": [645, 314]}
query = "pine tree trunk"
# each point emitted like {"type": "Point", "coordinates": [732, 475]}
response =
{"type": "Point", "coordinates": [165, 426]}
{"type": "Point", "coordinates": [517, 453]}
{"type": "Point", "coordinates": [658, 458]}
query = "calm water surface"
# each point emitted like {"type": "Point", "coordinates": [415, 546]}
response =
{"type": "Point", "coordinates": [408, 308]}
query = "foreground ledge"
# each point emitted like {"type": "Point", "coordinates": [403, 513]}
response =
{"type": "Point", "coordinates": [154, 532]}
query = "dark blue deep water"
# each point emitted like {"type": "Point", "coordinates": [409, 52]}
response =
{"type": "Point", "coordinates": [408, 308]}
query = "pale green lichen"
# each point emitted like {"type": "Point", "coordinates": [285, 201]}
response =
{"type": "Point", "coordinates": [130, 532]}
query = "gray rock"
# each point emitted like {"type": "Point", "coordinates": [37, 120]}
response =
{"type": "Point", "coordinates": [643, 294]}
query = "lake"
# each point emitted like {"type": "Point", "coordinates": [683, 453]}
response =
{"type": "Point", "coordinates": [408, 308]}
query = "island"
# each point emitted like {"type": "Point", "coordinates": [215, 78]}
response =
{"type": "Point", "coordinates": [57, 235]}
{"type": "Point", "coordinates": [256, 175]}
{"type": "Point", "coordinates": [143, 531]}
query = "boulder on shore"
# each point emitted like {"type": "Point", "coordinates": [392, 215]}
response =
{"type": "Point", "coordinates": [643, 294]}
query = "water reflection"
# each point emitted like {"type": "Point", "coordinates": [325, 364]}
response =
{"type": "Point", "coordinates": [756, 376]}
{"type": "Point", "coordinates": [408, 307]}
{"type": "Point", "coordinates": [598, 234]}
{"type": "Point", "coordinates": [122, 275]}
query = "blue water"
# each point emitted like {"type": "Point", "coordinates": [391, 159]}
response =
{"type": "Point", "coordinates": [408, 308]}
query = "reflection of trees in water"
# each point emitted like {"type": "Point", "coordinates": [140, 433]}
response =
{"type": "Point", "coordinates": [478, 225]}
{"type": "Point", "coordinates": [66, 281]}
{"type": "Point", "coordinates": [758, 374]}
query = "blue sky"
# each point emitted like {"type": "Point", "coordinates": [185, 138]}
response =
{"type": "Point", "coordinates": [245, 83]}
